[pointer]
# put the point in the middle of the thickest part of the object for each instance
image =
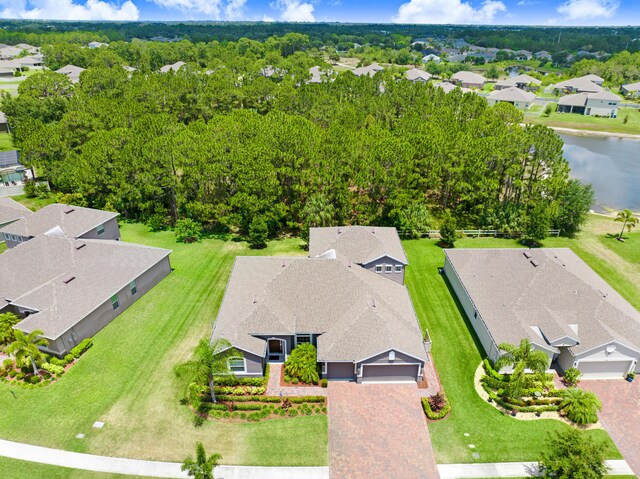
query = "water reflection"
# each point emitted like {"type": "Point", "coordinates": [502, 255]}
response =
{"type": "Point", "coordinates": [611, 165]}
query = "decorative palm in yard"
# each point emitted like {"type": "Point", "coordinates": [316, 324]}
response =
{"type": "Point", "coordinates": [580, 406]}
{"type": "Point", "coordinates": [25, 348]}
{"type": "Point", "coordinates": [202, 467]}
{"type": "Point", "coordinates": [521, 358]}
{"type": "Point", "coordinates": [627, 219]}
{"type": "Point", "coordinates": [7, 322]}
{"type": "Point", "coordinates": [210, 359]}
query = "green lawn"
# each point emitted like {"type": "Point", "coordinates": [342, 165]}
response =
{"type": "Point", "coordinates": [6, 143]}
{"type": "Point", "coordinates": [126, 379]}
{"type": "Point", "coordinates": [35, 203]}
{"type": "Point", "coordinates": [630, 248]}
{"type": "Point", "coordinates": [583, 122]}
{"type": "Point", "coordinates": [29, 470]}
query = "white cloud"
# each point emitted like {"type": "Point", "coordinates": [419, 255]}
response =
{"type": "Point", "coordinates": [448, 11]}
{"type": "Point", "coordinates": [294, 11]}
{"type": "Point", "coordinates": [68, 10]}
{"type": "Point", "coordinates": [585, 9]}
{"type": "Point", "coordinates": [267, 18]}
{"type": "Point", "coordinates": [209, 9]}
{"type": "Point", "coordinates": [234, 9]}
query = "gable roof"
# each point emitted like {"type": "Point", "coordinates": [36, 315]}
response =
{"type": "Point", "coordinates": [416, 74]}
{"type": "Point", "coordinates": [580, 84]}
{"type": "Point", "coordinates": [512, 94]}
{"type": "Point", "coordinates": [632, 86]}
{"type": "Point", "coordinates": [357, 244]}
{"type": "Point", "coordinates": [370, 70]}
{"type": "Point", "coordinates": [72, 71]}
{"type": "Point", "coordinates": [173, 67]}
{"type": "Point", "coordinates": [64, 281]}
{"type": "Point", "coordinates": [9, 158]}
{"type": "Point", "coordinates": [74, 221]}
{"type": "Point", "coordinates": [449, 87]}
{"type": "Point", "coordinates": [468, 77]}
{"type": "Point", "coordinates": [581, 99]}
{"type": "Point", "coordinates": [357, 312]}
{"type": "Point", "coordinates": [526, 79]}
{"type": "Point", "coordinates": [11, 210]}
{"type": "Point", "coordinates": [517, 299]}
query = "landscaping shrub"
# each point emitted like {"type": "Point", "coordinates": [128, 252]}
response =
{"type": "Point", "coordinates": [292, 412]}
{"type": "Point", "coordinates": [68, 358]}
{"type": "Point", "coordinates": [7, 322]}
{"type": "Point", "coordinates": [52, 368]}
{"type": "Point", "coordinates": [302, 364]}
{"type": "Point", "coordinates": [81, 348]}
{"type": "Point", "coordinates": [572, 377]}
{"type": "Point", "coordinates": [437, 402]}
{"type": "Point", "coordinates": [7, 363]}
{"type": "Point", "coordinates": [56, 361]}
{"type": "Point", "coordinates": [247, 407]}
{"type": "Point", "coordinates": [272, 399]}
{"type": "Point", "coordinates": [187, 231]}
{"type": "Point", "coordinates": [433, 415]}
{"type": "Point", "coordinates": [218, 407]}
{"type": "Point", "coordinates": [580, 406]}
{"type": "Point", "coordinates": [305, 399]}
{"type": "Point", "coordinates": [324, 383]}
{"type": "Point", "coordinates": [236, 381]}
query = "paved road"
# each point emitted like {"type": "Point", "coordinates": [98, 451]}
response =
{"type": "Point", "coordinates": [378, 431]}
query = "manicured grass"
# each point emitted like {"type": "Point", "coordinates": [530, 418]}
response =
{"type": "Point", "coordinates": [584, 122]}
{"type": "Point", "coordinates": [35, 203]}
{"type": "Point", "coordinates": [629, 249]}
{"type": "Point", "coordinates": [6, 143]}
{"type": "Point", "coordinates": [127, 380]}
{"type": "Point", "coordinates": [29, 470]}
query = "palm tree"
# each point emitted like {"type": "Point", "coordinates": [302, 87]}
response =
{"type": "Point", "coordinates": [210, 359]}
{"type": "Point", "coordinates": [7, 322]}
{"type": "Point", "coordinates": [25, 348]}
{"type": "Point", "coordinates": [318, 211]}
{"type": "Point", "coordinates": [580, 406]}
{"type": "Point", "coordinates": [627, 219]}
{"type": "Point", "coordinates": [521, 357]}
{"type": "Point", "coordinates": [202, 467]}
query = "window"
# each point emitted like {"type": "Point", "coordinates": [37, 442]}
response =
{"type": "Point", "coordinates": [378, 268]}
{"type": "Point", "coordinates": [302, 339]}
{"type": "Point", "coordinates": [133, 286]}
{"type": "Point", "coordinates": [398, 268]}
{"type": "Point", "coordinates": [388, 268]}
{"type": "Point", "coordinates": [100, 229]}
{"type": "Point", "coordinates": [115, 302]}
{"type": "Point", "coordinates": [236, 365]}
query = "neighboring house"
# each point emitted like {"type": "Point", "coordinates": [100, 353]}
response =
{"type": "Point", "coordinates": [63, 220]}
{"type": "Point", "coordinates": [468, 79]}
{"type": "Point", "coordinates": [415, 75]}
{"type": "Point", "coordinates": [318, 74]}
{"type": "Point", "coordinates": [362, 323]}
{"type": "Point", "coordinates": [11, 211]}
{"type": "Point", "coordinates": [70, 289]}
{"type": "Point", "coordinates": [523, 54]}
{"type": "Point", "coordinates": [631, 89]}
{"type": "Point", "coordinates": [272, 72]}
{"type": "Point", "coordinates": [578, 85]}
{"type": "Point", "coordinates": [431, 58]}
{"type": "Point", "coordinates": [543, 55]}
{"type": "Point", "coordinates": [602, 103]}
{"type": "Point", "coordinates": [97, 44]}
{"type": "Point", "coordinates": [369, 70]}
{"type": "Point", "coordinates": [551, 297]}
{"type": "Point", "coordinates": [449, 87]}
{"type": "Point", "coordinates": [11, 170]}
{"type": "Point", "coordinates": [30, 48]}
{"type": "Point", "coordinates": [72, 71]}
{"type": "Point", "coordinates": [174, 67]}
{"type": "Point", "coordinates": [4, 124]}
{"type": "Point", "coordinates": [524, 82]}
{"type": "Point", "coordinates": [594, 78]}
{"type": "Point", "coordinates": [521, 99]}
{"type": "Point", "coordinates": [8, 53]}
{"type": "Point", "coordinates": [6, 71]}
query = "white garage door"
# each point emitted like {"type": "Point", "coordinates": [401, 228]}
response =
{"type": "Point", "coordinates": [604, 369]}
{"type": "Point", "coordinates": [390, 373]}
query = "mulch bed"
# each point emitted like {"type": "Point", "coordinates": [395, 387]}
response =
{"type": "Point", "coordinates": [284, 384]}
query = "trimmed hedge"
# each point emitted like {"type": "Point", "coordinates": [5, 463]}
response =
{"type": "Point", "coordinates": [435, 415]}
{"type": "Point", "coordinates": [81, 348]}
{"type": "Point", "coordinates": [236, 381]}
{"type": "Point", "coordinates": [305, 399]}
{"type": "Point", "coordinates": [247, 407]}
{"type": "Point", "coordinates": [272, 399]}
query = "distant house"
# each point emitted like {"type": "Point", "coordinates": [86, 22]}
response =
{"type": "Point", "coordinates": [521, 99]}
{"type": "Point", "coordinates": [551, 297]}
{"type": "Point", "coordinates": [11, 211]}
{"type": "Point", "coordinates": [523, 54]}
{"type": "Point", "coordinates": [272, 72]}
{"type": "Point", "coordinates": [63, 220]}
{"type": "Point", "coordinates": [369, 70]}
{"type": "Point", "coordinates": [97, 45]}
{"type": "Point", "coordinates": [31, 61]}
{"type": "Point", "coordinates": [6, 71]}
{"type": "Point", "coordinates": [431, 58]}
{"type": "Point", "coordinates": [174, 67]}
{"type": "Point", "coordinates": [72, 71]}
{"type": "Point", "coordinates": [9, 53]}
{"type": "Point", "coordinates": [347, 299]}
{"type": "Point", "coordinates": [584, 84]}
{"type": "Point", "coordinates": [415, 75]}
{"type": "Point", "coordinates": [602, 103]}
{"type": "Point", "coordinates": [11, 170]}
{"type": "Point", "coordinates": [631, 89]}
{"type": "Point", "coordinates": [70, 289]}
{"type": "Point", "coordinates": [448, 87]}
{"type": "Point", "coordinates": [543, 55]}
{"type": "Point", "coordinates": [29, 48]}
{"type": "Point", "coordinates": [318, 74]}
{"type": "Point", "coordinates": [524, 82]}
{"type": "Point", "coordinates": [468, 79]}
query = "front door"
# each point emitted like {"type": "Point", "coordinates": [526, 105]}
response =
{"type": "Point", "coordinates": [276, 350]}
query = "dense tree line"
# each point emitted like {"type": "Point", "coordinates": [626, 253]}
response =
{"type": "Point", "coordinates": [233, 149]}
{"type": "Point", "coordinates": [620, 69]}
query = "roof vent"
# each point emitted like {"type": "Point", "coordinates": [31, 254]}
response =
{"type": "Point", "coordinates": [535, 263]}
{"type": "Point", "coordinates": [339, 231]}
{"type": "Point", "coordinates": [283, 264]}
{"type": "Point", "coordinates": [68, 280]}
{"type": "Point", "coordinates": [527, 255]}
{"type": "Point", "coordinates": [80, 246]}
{"type": "Point", "coordinates": [255, 300]}
{"type": "Point", "coordinates": [373, 302]}
{"type": "Point", "coordinates": [69, 209]}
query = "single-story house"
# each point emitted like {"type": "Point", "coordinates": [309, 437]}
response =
{"type": "Point", "coordinates": [521, 99]}
{"type": "Point", "coordinates": [11, 170]}
{"type": "Point", "coordinates": [631, 89]}
{"type": "Point", "coordinates": [415, 75]}
{"type": "Point", "coordinates": [360, 319]}
{"type": "Point", "coordinates": [551, 297]}
{"type": "Point", "coordinates": [431, 58]}
{"type": "Point", "coordinates": [318, 74]}
{"type": "Point", "coordinates": [97, 44]}
{"type": "Point", "coordinates": [174, 67]}
{"type": "Point", "coordinates": [449, 87]}
{"type": "Point", "coordinates": [72, 71]}
{"type": "Point", "coordinates": [31, 61]}
{"type": "Point", "coordinates": [10, 211]}
{"type": "Point", "coordinates": [63, 220]}
{"type": "Point", "coordinates": [370, 70]}
{"type": "Point", "coordinates": [7, 53]}
{"type": "Point", "coordinates": [70, 289]}
{"type": "Point", "coordinates": [524, 82]}
{"type": "Point", "coordinates": [543, 55]}
{"type": "Point", "coordinates": [6, 71]}
{"type": "Point", "coordinates": [468, 79]}
{"type": "Point", "coordinates": [30, 48]}
{"type": "Point", "coordinates": [523, 54]}
{"type": "Point", "coordinates": [578, 85]}
{"type": "Point", "coordinates": [602, 103]}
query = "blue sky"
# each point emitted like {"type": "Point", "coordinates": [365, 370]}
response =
{"type": "Point", "coordinates": [522, 12]}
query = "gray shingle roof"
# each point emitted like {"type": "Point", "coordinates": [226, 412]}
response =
{"type": "Point", "coordinates": [632, 86]}
{"type": "Point", "coordinates": [358, 244]}
{"type": "Point", "coordinates": [11, 210]}
{"type": "Point", "coordinates": [468, 77]}
{"type": "Point", "coordinates": [512, 94]}
{"type": "Point", "coordinates": [513, 297]}
{"type": "Point", "coordinates": [73, 220]}
{"type": "Point", "coordinates": [368, 70]}
{"type": "Point", "coordinates": [449, 87]}
{"type": "Point", "coordinates": [581, 99]}
{"type": "Point", "coordinates": [415, 74]}
{"type": "Point", "coordinates": [72, 71]}
{"type": "Point", "coordinates": [34, 274]}
{"type": "Point", "coordinates": [173, 67]}
{"type": "Point", "coordinates": [526, 79]}
{"type": "Point", "coordinates": [580, 84]}
{"type": "Point", "coordinates": [9, 158]}
{"type": "Point", "coordinates": [357, 312]}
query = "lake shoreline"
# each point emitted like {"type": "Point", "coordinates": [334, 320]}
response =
{"type": "Point", "coordinates": [594, 133]}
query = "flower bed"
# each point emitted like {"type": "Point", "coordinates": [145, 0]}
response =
{"type": "Point", "coordinates": [436, 407]}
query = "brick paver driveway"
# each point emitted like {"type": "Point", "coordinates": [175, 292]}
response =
{"type": "Point", "coordinates": [620, 415]}
{"type": "Point", "coordinates": [378, 431]}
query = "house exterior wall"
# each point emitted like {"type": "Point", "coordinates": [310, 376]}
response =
{"type": "Point", "coordinates": [602, 107]}
{"type": "Point", "coordinates": [105, 313]}
{"type": "Point", "coordinates": [111, 231]}
{"type": "Point", "coordinates": [471, 85]}
{"type": "Point", "coordinates": [254, 365]}
{"type": "Point", "coordinates": [520, 105]}
{"type": "Point", "coordinates": [398, 277]}
{"type": "Point", "coordinates": [12, 240]}
{"type": "Point", "coordinates": [565, 359]}
{"type": "Point", "coordinates": [383, 358]}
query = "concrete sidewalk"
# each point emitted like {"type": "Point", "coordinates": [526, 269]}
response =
{"type": "Point", "coordinates": [134, 467]}
{"type": "Point", "coordinates": [511, 469]}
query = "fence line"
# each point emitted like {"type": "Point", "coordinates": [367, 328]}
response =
{"type": "Point", "coordinates": [473, 233]}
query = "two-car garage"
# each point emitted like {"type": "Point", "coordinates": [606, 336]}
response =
{"type": "Point", "coordinates": [390, 372]}
{"type": "Point", "coordinates": [604, 369]}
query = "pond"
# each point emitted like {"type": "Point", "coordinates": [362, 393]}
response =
{"type": "Point", "coordinates": [611, 165]}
